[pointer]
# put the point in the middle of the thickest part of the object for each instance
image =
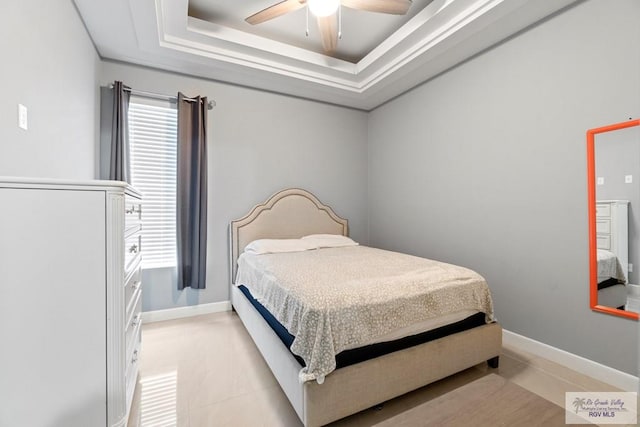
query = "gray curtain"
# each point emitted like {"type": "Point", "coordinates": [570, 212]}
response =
{"type": "Point", "coordinates": [114, 132]}
{"type": "Point", "coordinates": [191, 195]}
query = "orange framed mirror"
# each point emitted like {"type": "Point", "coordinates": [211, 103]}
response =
{"type": "Point", "coordinates": [608, 222]}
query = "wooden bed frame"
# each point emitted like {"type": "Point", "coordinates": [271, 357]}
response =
{"type": "Point", "coordinates": [293, 213]}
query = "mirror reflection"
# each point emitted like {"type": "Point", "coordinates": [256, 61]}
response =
{"type": "Point", "coordinates": [616, 219]}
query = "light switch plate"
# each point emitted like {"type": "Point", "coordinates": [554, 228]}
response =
{"type": "Point", "coordinates": [628, 179]}
{"type": "Point", "coordinates": [22, 117]}
{"type": "Point", "coordinates": [600, 180]}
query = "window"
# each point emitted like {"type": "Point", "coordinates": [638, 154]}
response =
{"type": "Point", "coordinates": [153, 142]}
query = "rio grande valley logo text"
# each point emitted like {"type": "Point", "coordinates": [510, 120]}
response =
{"type": "Point", "coordinates": [599, 408]}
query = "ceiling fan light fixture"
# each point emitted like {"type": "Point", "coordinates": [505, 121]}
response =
{"type": "Point", "coordinates": [323, 8]}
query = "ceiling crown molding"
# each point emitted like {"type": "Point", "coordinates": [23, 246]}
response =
{"type": "Point", "coordinates": [159, 33]}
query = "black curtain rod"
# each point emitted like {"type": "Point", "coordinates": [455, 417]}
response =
{"type": "Point", "coordinates": [169, 98]}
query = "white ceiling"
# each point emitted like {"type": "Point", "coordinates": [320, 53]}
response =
{"type": "Point", "coordinates": [379, 57]}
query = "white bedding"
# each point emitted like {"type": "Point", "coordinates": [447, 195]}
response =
{"type": "Point", "coordinates": [609, 267]}
{"type": "Point", "coordinates": [339, 298]}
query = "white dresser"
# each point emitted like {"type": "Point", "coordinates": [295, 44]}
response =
{"type": "Point", "coordinates": [70, 302]}
{"type": "Point", "coordinates": [612, 229]}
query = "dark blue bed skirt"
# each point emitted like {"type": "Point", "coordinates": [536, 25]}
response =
{"type": "Point", "coordinates": [357, 355]}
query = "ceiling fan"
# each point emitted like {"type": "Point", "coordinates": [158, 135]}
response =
{"type": "Point", "coordinates": [326, 13]}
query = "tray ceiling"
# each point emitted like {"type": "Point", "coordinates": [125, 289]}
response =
{"type": "Point", "coordinates": [362, 31]}
{"type": "Point", "coordinates": [379, 56]}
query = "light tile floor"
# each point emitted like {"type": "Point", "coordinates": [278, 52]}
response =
{"type": "Point", "coordinates": [633, 298]}
{"type": "Point", "coordinates": [205, 371]}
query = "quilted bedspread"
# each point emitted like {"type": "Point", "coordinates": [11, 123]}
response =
{"type": "Point", "coordinates": [337, 298]}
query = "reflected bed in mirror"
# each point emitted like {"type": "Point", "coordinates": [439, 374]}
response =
{"type": "Point", "coordinates": [613, 155]}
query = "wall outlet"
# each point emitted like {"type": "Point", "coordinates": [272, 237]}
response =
{"type": "Point", "coordinates": [630, 268]}
{"type": "Point", "coordinates": [22, 117]}
{"type": "Point", "coordinates": [600, 180]}
{"type": "Point", "coordinates": [628, 179]}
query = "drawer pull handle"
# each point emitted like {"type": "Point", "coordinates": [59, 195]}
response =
{"type": "Point", "coordinates": [133, 210]}
{"type": "Point", "coordinates": [135, 320]}
{"type": "Point", "coordinates": [134, 359]}
{"type": "Point", "coordinates": [133, 249]}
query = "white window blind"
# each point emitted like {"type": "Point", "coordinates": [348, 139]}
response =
{"type": "Point", "coordinates": [153, 141]}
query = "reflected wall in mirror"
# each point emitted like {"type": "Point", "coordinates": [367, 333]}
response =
{"type": "Point", "coordinates": [613, 155]}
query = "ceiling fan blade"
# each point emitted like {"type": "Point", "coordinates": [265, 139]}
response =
{"type": "Point", "coordinates": [394, 7]}
{"type": "Point", "coordinates": [328, 26]}
{"type": "Point", "coordinates": [274, 11]}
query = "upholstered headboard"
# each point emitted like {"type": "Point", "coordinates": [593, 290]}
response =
{"type": "Point", "coordinates": [288, 214]}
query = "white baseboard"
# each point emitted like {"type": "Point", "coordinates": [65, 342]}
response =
{"type": "Point", "coordinates": [186, 311]}
{"type": "Point", "coordinates": [600, 372]}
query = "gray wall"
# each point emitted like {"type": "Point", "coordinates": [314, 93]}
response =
{"type": "Point", "coordinates": [49, 65]}
{"type": "Point", "coordinates": [485, 166]}
{"type": "Point", "coordinates": [259, 143]}
{"type": "Point", "coordinates": [617, 154]}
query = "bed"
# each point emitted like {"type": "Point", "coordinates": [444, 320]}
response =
{"type": "Point", "coordinates": [612, 252]}
{"type": "Point", "coordinates": [612, 291]}
{"type": "Point", "coordinates": [322, 394]}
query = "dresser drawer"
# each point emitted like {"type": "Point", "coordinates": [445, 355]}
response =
{"type": "Point", "coordinates": [132, 248]}
{"type": "Point", "coordinates": [132, 214]}
{"type": "Point", "coordinates": [133, 353]}
{"type": "Point", "coordinates": [133, 324]}
{"type": "Point", "coordinates": [603, 226]}
{"type": "Point", "coordinates": [131, 376]}
{"type": "Point", "coordinates": [604, 242]}
{"type": "Point", "coordinates": [133, 283]}
{"type": "Point", "coordinates": [603, 210]}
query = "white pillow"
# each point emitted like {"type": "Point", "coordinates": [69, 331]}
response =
{"type": "Point", "coordinates": [274, 246]}
{"type": "Point", "coordinates": [329, 240]}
